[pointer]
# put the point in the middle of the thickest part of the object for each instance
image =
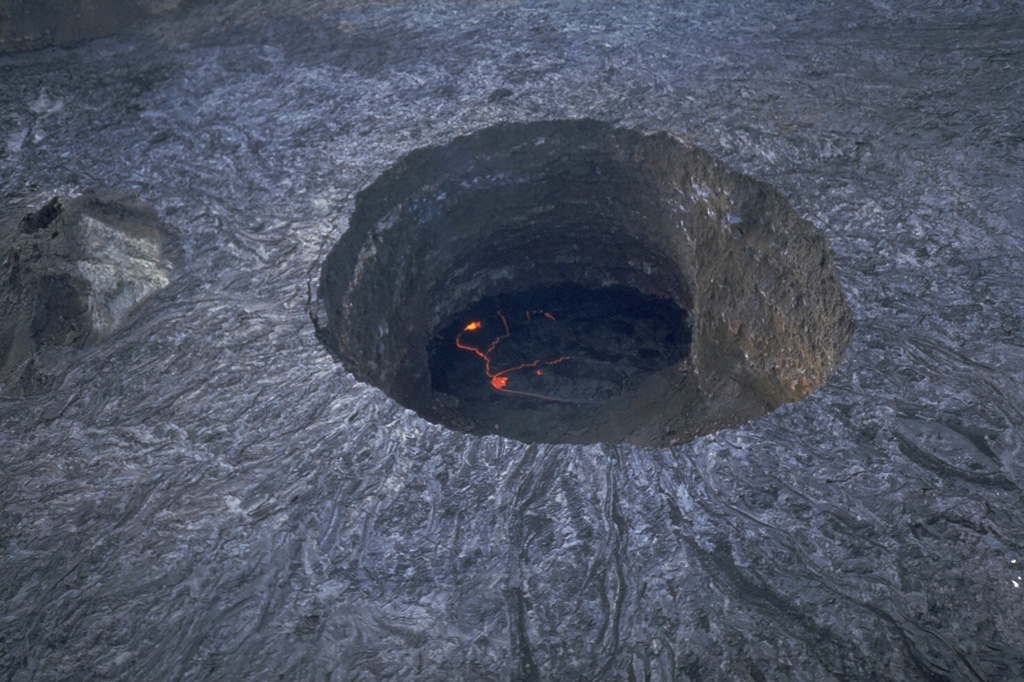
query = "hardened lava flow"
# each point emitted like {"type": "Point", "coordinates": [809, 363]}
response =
{"type": "Point", "coordinates": [575, 282]}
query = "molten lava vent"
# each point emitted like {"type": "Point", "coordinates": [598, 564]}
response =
{"type": "Point", "coordinates": [569, 281]}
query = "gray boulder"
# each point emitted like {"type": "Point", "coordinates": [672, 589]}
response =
{"type": "Point", "coordinates": [71, 273]}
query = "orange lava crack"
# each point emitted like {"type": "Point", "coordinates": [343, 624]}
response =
{"type": "Point", "coordinates": [499, 379]}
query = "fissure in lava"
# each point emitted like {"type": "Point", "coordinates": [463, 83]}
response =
{"type": "Point", "coordinates": [499, 378]}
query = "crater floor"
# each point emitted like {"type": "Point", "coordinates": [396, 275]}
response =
{"type": "Point", "coordinates": [207, 495]}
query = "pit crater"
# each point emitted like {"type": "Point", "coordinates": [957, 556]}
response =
{"type": "Point", "coordinates": [576, 282]}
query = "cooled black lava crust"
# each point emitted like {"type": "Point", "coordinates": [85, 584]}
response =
{"type": "Point", "coordinates": [546, 352]}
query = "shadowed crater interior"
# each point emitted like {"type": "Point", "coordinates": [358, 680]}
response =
{"type": "Point", "coordinates": [569, 281]}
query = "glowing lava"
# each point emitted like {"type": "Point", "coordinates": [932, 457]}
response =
{"type": "Point", "coordinates": [499, 379]}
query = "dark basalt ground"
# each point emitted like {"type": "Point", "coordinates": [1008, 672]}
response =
{"type": "Point", "coordinates": [208, 495]}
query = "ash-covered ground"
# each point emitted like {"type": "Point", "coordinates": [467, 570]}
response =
{"type": "Point", "coordinates": [206, 495]}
